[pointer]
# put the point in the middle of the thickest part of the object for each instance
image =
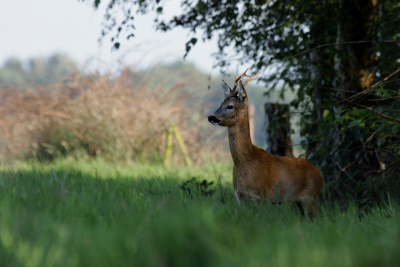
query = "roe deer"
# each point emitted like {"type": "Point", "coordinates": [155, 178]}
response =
{"type": "Point", "coordinates": [257, 173]}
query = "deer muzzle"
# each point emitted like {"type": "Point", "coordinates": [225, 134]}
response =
{"type": "Point", "coordinates": [213, 120]}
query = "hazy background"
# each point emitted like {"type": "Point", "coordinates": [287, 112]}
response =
{"type": "Point", "coordinates": [43, 27]}
{"type": "Point", "coordinates": [47, 42]}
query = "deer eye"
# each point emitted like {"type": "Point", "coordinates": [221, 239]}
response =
{"type": "Point", "coordinates": [229, 107]}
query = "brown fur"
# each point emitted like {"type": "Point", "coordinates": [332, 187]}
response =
{"type": "Point", "coordinates": [257, 172]}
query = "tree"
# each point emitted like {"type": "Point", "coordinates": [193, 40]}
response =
{"type": "Point", "coordinates": [39, 70]}
{"type": "Point", "coordinates": [12, 72]}
{"type": "Point", "coordinates": [352, 130]}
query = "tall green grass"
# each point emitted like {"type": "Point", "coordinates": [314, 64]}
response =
{"type": "Point", "coordinates": [92, 213]}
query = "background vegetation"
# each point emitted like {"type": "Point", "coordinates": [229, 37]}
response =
{"type": "Point", "coordinates": [123, 116]}
{"type": "Point", "coordinates": [17, 74]}
{"type": "Point", "coordinates": [118, 116]}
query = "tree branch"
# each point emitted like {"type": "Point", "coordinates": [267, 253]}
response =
{"type": "Point", "coordinates": [344, 130]}
{"type": "Point", "coordinates": [352, 98]}
{"type": "Point", "coordinates": [333, 44]}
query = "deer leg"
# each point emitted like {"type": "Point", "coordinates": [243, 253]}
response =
{"type": "Point", "coordinates": [238, 196]}
{"type": "Point", "coordinates": [309, 206]}
{"type": "Point", "coordinates": [312, 210]}
{"type": "Point", "coordinates": [300, 206]}
{"type": "Point", "coordinates": [247, 197]}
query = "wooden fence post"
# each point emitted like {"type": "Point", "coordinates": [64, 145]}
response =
{"type": "Point", "coordinates": [173, 131]}
{"type": "Point", "coordinates": [277, 140]}
{"type": "Point", "coordinates": [182, 145]}
{"type": "Point", "coordinates": [168, 147]}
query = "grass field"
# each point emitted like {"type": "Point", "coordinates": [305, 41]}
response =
{"type": "Point", "coordinates": [93, 213]}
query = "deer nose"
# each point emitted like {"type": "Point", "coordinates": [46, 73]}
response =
{"type": "Point", "coordinates": [213, 119]}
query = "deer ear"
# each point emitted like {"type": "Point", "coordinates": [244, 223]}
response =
{"type": "Point", "coordinates": [241, 93]}
{"type": "Point", "coordinates": [225, 89]}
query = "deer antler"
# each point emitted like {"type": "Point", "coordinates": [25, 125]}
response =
{"type": "Point", "coordinates": [238, 79]}
{"type": "Point", "coordinates": [249, 79]}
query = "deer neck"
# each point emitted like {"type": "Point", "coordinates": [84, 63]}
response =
{"type": "Point", "coordinates": [242, 149]}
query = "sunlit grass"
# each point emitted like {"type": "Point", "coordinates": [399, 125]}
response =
{"type": "Point", "coordinates": [99, 168]}
{"type": "Point", "coordinates": [94, 213]}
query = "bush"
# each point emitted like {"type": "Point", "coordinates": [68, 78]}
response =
{"type": "Point", "coordinates": [123, 117]}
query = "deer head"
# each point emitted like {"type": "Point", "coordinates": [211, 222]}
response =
{"type": "Point", "coordinates": [235, 102]}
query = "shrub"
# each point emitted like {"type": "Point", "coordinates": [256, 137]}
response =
{"type": "Point", "coordinates": [123, 117]}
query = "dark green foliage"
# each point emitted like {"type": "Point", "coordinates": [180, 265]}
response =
{"type": "Point", "coordinates": [192, 184]}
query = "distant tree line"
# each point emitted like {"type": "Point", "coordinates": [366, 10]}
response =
{"type": "Point", "coordinates": [36, 70]}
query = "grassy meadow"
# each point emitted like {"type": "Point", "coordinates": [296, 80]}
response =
{"type": "Point", "coordinates": [95, 213]}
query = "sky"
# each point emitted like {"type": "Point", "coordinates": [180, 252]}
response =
{"type": "Point", "coordinates": [42, 27]}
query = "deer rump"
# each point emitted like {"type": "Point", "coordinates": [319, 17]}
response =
{"type": "Point", "coordinates": [277, 179]}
